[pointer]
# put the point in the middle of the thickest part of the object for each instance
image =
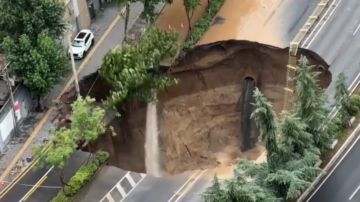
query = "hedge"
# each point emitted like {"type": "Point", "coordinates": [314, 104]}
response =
{"type": "Point", "coordinates": [202, 25]}
{"type": "Point", "coordinates": [82, 177]}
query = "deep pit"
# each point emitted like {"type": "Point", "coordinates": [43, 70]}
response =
{"type": "Point", "coordinates": [199, 119]}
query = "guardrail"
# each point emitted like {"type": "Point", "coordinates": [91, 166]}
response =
{"type": "Point", "coordinates": [293, 48]}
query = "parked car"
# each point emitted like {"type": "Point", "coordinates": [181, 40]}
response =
{"type": "Point", "coordinates": [82, 43]}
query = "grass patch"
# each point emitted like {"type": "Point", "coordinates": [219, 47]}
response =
{"type": "Point", "coordinates": [82, 177]}
{"type": "Point", "coordinates": [202, 25]}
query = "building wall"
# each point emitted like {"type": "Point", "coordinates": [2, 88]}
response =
{"type": "Point", "coordinates": [83, 18]}
{"type": "Point", "coordinates": [77, 15]}
{"type": "Point", "coordinates": [23, 96]}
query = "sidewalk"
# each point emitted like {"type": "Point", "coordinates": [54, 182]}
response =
{"type": "Point", "coordinates": [37, 126]}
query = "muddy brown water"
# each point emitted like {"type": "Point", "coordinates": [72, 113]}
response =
{"type": "Point", "coordinates": [198, 119]}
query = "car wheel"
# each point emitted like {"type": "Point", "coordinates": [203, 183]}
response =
{"type": "Point", "coordinates": [92, 42]}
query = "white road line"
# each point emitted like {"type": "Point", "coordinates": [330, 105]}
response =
{"type": "Point", "coordinates": [338, 163]}
{"type": "Point", "coordinates": [134, 187]}
{"type": "Point", "coordinates": [35, 186]}
{"type": "Point", "coordinates": [352, 195]}
{"type": "Point", "coordinates": [356, 29]}
{"type": "Point", "coordinates": [185, 191]}
{"type": "Point", "coordinates": [323, 17]}
{"type": "Point", "coordinates": [183, 185]}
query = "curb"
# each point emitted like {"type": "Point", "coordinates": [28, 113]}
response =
{"type": "Point", "coordinates": [95, 174]}
{"type": "Point", "coordinates": [331, 163]}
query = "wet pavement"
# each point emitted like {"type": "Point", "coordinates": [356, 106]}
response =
{"type": "Point", "coordinates": [273, 22]}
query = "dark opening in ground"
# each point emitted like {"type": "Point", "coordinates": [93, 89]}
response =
{"type": "Point", "coordinates": [200, 118]}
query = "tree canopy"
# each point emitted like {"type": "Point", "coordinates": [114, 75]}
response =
{"type": "Point", "coordinates": [311, 105]}
{"type": "Point", "coordinates": [31, 18]}
{"type": "Point", "coordinates": [41, 66]}
{"type": "Point", "coordinates": [30, 33]}
{"type": "Point", "coordinates": [86, 124]}
{"type": "Point", "coordinates": [133, 71]}
{"type": "Point", "coordinates": [342, 98]}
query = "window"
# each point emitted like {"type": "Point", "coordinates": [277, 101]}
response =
{"type": "Point", "coordinates": [77, 43]}
{"type": "Point", "coordinates": [87, 39]}
{"type": "Point", "coordinates": [81, 35]}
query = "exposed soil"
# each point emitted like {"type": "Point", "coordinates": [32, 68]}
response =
{"type": "Point", "coordinates": [199, 119]}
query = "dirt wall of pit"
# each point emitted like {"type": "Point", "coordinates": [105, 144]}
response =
{"type": "Point", "coordinates": [199, 119]}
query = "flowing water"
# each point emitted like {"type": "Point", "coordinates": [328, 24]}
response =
{"type": "Point", "coordinates": [152, 153]}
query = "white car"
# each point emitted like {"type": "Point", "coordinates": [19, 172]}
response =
{"type": "Point", "coordinates": [82, 43]}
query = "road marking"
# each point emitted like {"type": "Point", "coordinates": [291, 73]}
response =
{"type": "Point", "coordinates": [356, 29]}
{"type": "Point", "coordinates": [352, 195]}
{"type": "Point", "coordinates": [323, 17]}
{"type": "Point", "coordinates": [18, 179]}
{"type": "Point", "coordinates": [186, 186]}
{"type": "Point", "coordinates": [33, 189]}
{"type": "Point", "coordinates": [338, 163]}
{"type": "Point", "coordinates": [44, 119]}
{"type": "Point", "coordinates": [143, 177]}
{"type": "Point", "coordinates": [25, 146]}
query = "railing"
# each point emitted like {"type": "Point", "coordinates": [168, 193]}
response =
{"type": "Point", "coordinates": [293, 48]}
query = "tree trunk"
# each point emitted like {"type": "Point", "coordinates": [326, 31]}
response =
{"type": "Point", "coordinates": [40, 104]}
{"type": "Point", "coordinates": [189, 20]}
{"type": "Point", "coordinates": [127, 13]}
{"type": "Point", "coordinates": [149, 12]}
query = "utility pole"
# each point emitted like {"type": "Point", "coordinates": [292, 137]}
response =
{"type": "Point", "coordinates": [74, 69]}
{"type": "Point", "coordinates": [8, 84]}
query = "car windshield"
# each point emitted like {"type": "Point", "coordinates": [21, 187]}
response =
{"type": "Point", "coordinates": [77, 43]}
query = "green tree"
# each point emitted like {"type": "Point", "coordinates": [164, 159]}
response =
{"type": "Point", "coordinates": [190, 6]}
{"type": "Point", "coordinates": [293, 135]}
{"type": "Point", "coordinates": [57, 153]}
{"type": "Point", "coordinates": [342, 98]}
{"type": "Point", "coordinates": [265, 118]}
{"type": "Point", "coordinates": [40, 66]}
{"type": "Point", "coordinates": [149, 9]}
{"type": "Point", "coordinates": [87, 120]}
{"type": "Point", "coordinates": [311, 105]}
{"type": "Point", "coordinates": [133, 71]}
{"type": "Point", "coordinates": [214, 193]}
{"type": "Point", "coordinates": [124, 13]}
{"type": "Point", "coordinates": [289, 167]}
{"type": "Point", "coordinates": [86, 124]}
{"type": "Point", "coordinates": [32, 18]}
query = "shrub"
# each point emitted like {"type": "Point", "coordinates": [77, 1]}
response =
{"type": "Point", "coordinates": [355, 100]}
{"type": "Point", "coordinates": [82, 177]}
{"type": "Point", "coordinates": [336, 126]}
{"type": "Point", "coordinates": [353, 110]}
{"type": "Point", "coordinates": [202, 25]}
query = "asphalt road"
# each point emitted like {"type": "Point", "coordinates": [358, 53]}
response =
{"type": "Point", "coordinates": [338, 44]}
{"type": "Point", "coordinates": [344, 182]}
{"type": "Point", "coordinates": [49, 188]}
